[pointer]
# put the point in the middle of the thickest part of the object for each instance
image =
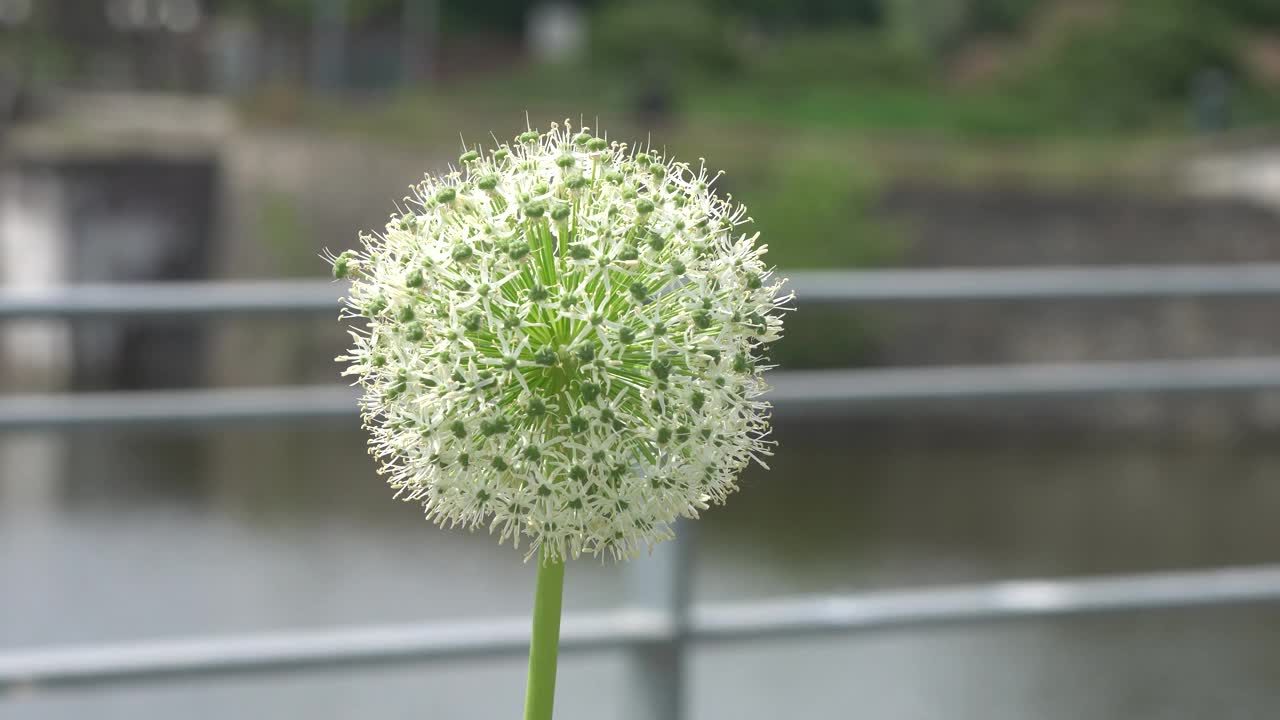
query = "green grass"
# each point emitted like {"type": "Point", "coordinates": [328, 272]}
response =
{"type": "Point", "coordinates": [871, 109]}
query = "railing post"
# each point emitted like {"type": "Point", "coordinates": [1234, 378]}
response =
{"type": "Point", "coordinates": [657, 673]}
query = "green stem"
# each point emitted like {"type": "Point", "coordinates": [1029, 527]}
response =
{"type": "Point", "coordinates": [545, 643]}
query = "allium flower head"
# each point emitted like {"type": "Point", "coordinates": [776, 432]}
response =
{"type": "Point", "coordinates": [562, 340]}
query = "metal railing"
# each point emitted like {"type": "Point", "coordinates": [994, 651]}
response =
{"type": "Point", "coordinates": [661, 623]}
{"type": "Point", "coordinates": [147, 662]}
{"type": "Point", "coordinates": [794, 393]}
{"type": "Point", "coordinates": [273, 297]}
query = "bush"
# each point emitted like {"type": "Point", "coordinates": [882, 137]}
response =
{"type": "Point", "coordinates": [662, 37]}
{"type": "Point", "coordinates": [813, 207]}
{"type": "Point", "coordinates": [814, 210]}
{"type": "Point", "coordinates": [1257, 12]}
{"type": "Point", "coordinates": [1130, 69]}
{"type": "Point", "coordinates": [840, 56]}
{"type": "Point", "coordinates": [1000, 16]}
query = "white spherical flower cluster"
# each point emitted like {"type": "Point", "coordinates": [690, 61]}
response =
{"type": "Point", "coordinates": [562, 340]}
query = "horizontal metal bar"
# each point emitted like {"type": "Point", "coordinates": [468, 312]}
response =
{"type": "Point", "coordinates": [1037, 283]}
{"type": "Point", "coordinates": [1031, 283]}
{"type": "Point", "coordinates": [794, 392]}
{"type": "Point", "coordinates": [296, 651]}
{"type": "Point", "coordinates": [993, 601]}
{"type": "Point", "coordinates": [174, 408]}
{"type": "Point", "coordinates": [810, 390]}
{"type": "Point", "coordinates": [173, 299]}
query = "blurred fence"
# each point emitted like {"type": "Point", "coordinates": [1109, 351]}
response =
{"type": "Point", "coordinates": [659, 623]}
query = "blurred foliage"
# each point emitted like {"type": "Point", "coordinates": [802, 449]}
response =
{"type": "Point", "coordinates": [1046, 67]}
{"type": "Point", "coordinates": [813, 207]}
{"type": "Point", "coordinates": [33, 57]}
{"type": "Point", "coordinates": [280, 231]}
{"type": "Point", "coordinates": [1132, 69]}
{"type": "Point", "coordinates": [816, 211]}
{"type": "Point", "coordinates": [804, 13]}
{"type": "Point", "coordinates": [826, 336]}
{"type": "Point", "coordinates": [356, 10]}
{"type": "Point", "coordinates": [864, 58]}
{"type": "Point", "coordinates": [1000, 16]}
{"type": "Point", "coordinates": [813, 204]}
{"type": "Point", "coordinates": [1264, 13]}
{"type": "Point", "coordinates": [929, 26]}
{"type": "Point", "coordinates": [662, 38]}
{"type": "Point", "coordinates": [509, 15]}
{"type": "Point", "coordinates": [502, 16]}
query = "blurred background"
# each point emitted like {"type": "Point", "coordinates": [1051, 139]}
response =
{"type": "Point", "coordinates": [219, 140]}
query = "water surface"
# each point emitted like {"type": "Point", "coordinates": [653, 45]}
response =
{"type": "Point", "coordinates": [111, 537]}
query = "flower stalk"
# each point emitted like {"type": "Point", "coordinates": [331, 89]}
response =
{"type": "Point", "coordinates": [544, 644]}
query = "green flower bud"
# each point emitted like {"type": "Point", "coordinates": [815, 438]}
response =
{"type": "Point", "coordinates": [342, 265]}
{"type": "Point", "coordinates": [374, 306]}
{"type": "Point", "coordinates": [536, 408]}
{"type": "Point", "coordinates": [586, 352]}
{"type": "Point", "coordinates": [661, 368]}
{"type": "Point", "coordinates": [517, 249]}
{"type": "Point", "coordinates": [490, 428]}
